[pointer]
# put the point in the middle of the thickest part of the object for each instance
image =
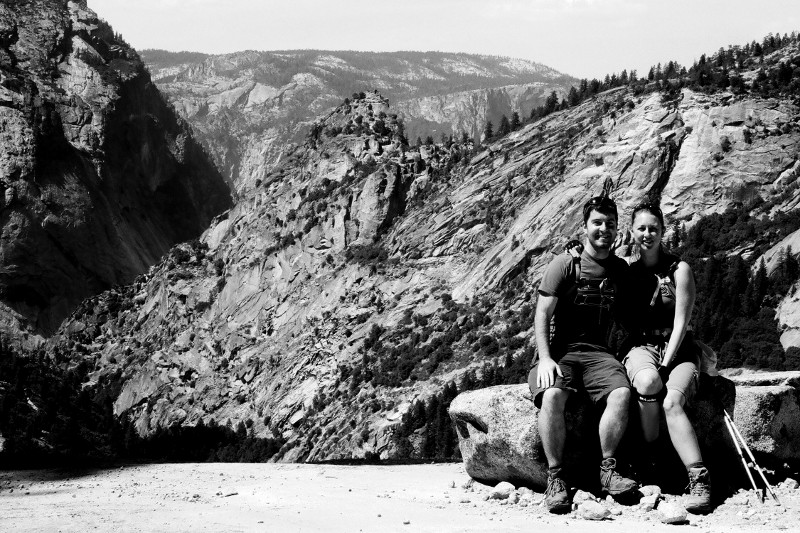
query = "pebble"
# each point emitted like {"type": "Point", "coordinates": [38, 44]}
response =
{"type": "Point", "coordinates": [648, 503]}
{"type": "Point", "coordinates": [649, 490]}
{"type": "Point", "coordinates": [583, 496]}
{"type": "Point", "coordinates": [406, 522]}
{"type": "Point", "coordinates": [672, 513]}
{"type": "Point", "coordinates": [592, 510]}
{"type": "Point", "coordinates": [502, 490]}
{"type": "Point", "coordinates": [525, 491]}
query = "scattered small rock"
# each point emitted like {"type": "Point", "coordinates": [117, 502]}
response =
{"type": "Point", "coordinates": [648, 503]}
{"type": "Point", "coordinates": [649, 490]}
{"type": "Point", "coordinates": [592, 510]}
{"type": "Point", "coordinates": [583, 496]}
{"type": "Point", "coordinates": [406, 522]}
{"type": "Point", "coordinates": [513, 498]}
{"type": "Point", "coordinates": [672, 513]}
{"type": "Point", "coordinates": [467, 485]}
{"type": "Point", "coordinates": [502, 490]}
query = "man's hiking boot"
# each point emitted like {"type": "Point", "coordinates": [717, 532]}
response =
{"type": "Point", "coordinates": [698, 500]}
{"type": "Point", "coordinates": [612, 482]}
{"type": "Point", "coordinates": [556, 496]}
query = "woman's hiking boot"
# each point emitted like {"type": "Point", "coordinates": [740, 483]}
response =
{"type": "Point", "coordinates": [556, 496]}
{"type": "Point", "coordinates": [612, 482]}
{"type": "Point", "coordinates": [698, 500]}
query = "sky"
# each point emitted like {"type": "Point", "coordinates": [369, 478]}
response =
{"type": "Point", "coordinates": [583, 38]}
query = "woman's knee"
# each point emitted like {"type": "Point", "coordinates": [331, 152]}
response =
{"type": "Point", "coordinates": [647, 382]}
{"type": "Point", "coordinates": [673, 403]}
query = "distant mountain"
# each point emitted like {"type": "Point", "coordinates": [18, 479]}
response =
{"type": "Point", "coordinates": [247, 107]}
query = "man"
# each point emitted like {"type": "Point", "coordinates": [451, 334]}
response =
{"type": "Point", "coordinates": [581, 296]}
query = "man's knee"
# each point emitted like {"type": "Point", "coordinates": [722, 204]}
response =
{"type": "Point", "coordinates": [647, 382]}
{"type": "Point", "coordinates": [554, 400]}
{"type": "Point", "coordinates": [619, 398]}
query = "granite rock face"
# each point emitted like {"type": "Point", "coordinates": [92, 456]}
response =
{"type": "Point", "coordinates": [99, 177]}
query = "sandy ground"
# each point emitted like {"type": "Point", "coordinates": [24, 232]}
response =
{"type": "Point", "coordinates": [289, 497]}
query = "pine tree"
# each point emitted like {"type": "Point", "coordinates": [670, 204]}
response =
{"type": "Point", "coordinates": [505, 126]}
{"type": "Point", "coordinates": [488, 131]}
{"type": "Point", "coordinates": [551, 103]}
{"type": "Point", "coordinates": [515, 121]}
{"type": "Point", "coordinates": [573, 98]}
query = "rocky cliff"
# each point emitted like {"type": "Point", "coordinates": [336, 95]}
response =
{"type": "Point", "coordinates": [249, 107]}
{"type": "Point", "coordinates": [360, 275]}
{"type": "Point", "coordinates": [99, 177]}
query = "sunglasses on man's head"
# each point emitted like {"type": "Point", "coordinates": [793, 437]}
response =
{"type": "Point", "coordinates": [602, 202]}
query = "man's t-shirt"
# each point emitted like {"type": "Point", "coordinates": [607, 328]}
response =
{"type": "Point", "coordinates": [587, 310]}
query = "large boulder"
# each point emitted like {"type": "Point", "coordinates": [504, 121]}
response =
{"type": "Point", "coordinates": [499, 437]}
{"type": "Point", "coordinates": [767, 413]}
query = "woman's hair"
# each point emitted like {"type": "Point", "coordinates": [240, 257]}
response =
{"type": "Point", "coordinates": [651, 208]}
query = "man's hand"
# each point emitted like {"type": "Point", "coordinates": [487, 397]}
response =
{"type": "Point", "coordinates": [546, 373]}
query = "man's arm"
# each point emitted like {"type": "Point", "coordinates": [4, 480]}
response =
{"type": "Point", "coordinates": [548, 368]}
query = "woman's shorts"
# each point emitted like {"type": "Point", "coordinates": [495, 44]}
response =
{"type": "Point", "coordinates": [683, 376]}
{"type": "Point", "coordinates": [598, 373]}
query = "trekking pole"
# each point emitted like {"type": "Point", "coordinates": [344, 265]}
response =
{"type": "Point", "coordinates": [753, 459]}
{"type": "Point", "coordinates": [739, 449]}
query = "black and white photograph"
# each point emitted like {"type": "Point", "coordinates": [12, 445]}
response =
{"type": "Point", "coordinates": [425, 266]}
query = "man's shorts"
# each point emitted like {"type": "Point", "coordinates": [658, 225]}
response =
{"type": "Point", "coordinates": [683, 376]}
{"type": "Point", "coordinates": [598, 373]}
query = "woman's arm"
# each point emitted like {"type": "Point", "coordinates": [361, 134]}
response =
{"type": "Point", "coordinates": [684, 303]}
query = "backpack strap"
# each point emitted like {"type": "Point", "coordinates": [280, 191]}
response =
{"type": "Point", "coordinates": [662, 280]}
{"type": "Point", "coordinates": [575, 246]}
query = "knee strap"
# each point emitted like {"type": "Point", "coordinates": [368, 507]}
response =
{"type": "Point", "coordinates": [651, 398]}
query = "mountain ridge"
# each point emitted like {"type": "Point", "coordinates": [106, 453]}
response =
{"type": "Point", "coordinates": [247, 106]}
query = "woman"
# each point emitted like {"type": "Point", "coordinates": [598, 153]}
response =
{"type": "Point", "coordinates": [667, 357]}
